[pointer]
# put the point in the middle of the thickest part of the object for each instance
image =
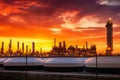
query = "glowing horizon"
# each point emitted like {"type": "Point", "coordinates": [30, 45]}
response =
{"type": "Point", "coordinates": [47, 45]}
{"type": "Point", "coordinates": [66, 20]}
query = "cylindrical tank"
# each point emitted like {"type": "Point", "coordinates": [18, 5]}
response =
{"type": "Point", "coordinates": [106, 64]}
{"type": "Point", "coordinates": [2, 61]}
{"type": "Point", "coordinates": [64, 64]}
{"type": "Point", "coordinates": [19, 63]}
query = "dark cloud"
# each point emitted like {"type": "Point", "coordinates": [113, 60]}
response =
{"type": "Point", "coordinates": [86, 7]}
{"type": "Point", "coordinates": [8, 1]}
{"type": "Point", "coordinates": [53, 8]}
{"type": "Point", "coordinates": [67, 5]}
{"type": "Point", "coordinates": [47, 11]}
{"type": "Point", "coordinates": [17, 2]}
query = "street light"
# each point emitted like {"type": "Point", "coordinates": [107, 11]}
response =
{"type": "Point", "coordinates": [26, 62]}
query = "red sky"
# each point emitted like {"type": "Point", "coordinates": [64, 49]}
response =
{"type": "Point", "coordinates": [75, 21]}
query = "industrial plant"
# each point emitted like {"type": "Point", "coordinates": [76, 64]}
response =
{"type": "Point", "coordinates": [62, 58]}
{"type": "Point", "coordinates": [59, 39]}
{"type": "Point", "coordinates": [62, 49]}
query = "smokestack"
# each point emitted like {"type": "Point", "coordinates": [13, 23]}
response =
{"type": "Point", "coordinates": [22, 47]}
{"type": "Point", "coordinates": [18, 46]}
{"type": "Point", "coordinates": [10, 45]}
{"type": "Point", "coordinates": [64, 44]}
{"type": "Point", "coordinates": [33, 47]}
{"type": "Point", "coordinates": [29, 50]}
{"type": "Point", "coordinates": [76, 46]}
{"type": "Point", "coordinates": [54, 42]}
{"type": "Point", "coordinates": [2, 49]}
{"type": "Point", "coordinates": [60, 45]}
{"type": "Point", "coordinates": [26, 49]}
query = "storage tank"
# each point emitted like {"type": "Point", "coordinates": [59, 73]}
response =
{"type": "Point", "coordinates": [106, 64]}
{"type": "Point", "coordinates": [19, 63]}
{"type": "Point", "coordinates": [2, 61]}
{"type": "Point", "coordinates": [64, 64]}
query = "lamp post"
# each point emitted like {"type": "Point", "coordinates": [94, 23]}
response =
{"type": "Point", "coordinates": [93, 47]}
{"type": "Point", "coordinates": [26, 62]}
{"type": "Point", "coordinates": [96, 66]}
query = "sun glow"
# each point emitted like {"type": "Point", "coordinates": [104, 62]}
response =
{"type": "Point", "coordinates": [39, 43]}
{"type": "Point", "coordinates": [74, 22]}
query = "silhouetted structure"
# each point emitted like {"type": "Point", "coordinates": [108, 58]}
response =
{"type": "Point", "coordinates": [54, 42]}
{"type": "Point", "coordinates": [71, 50]}
{"type": "Point", "coordinates": [33, 48]}
{"type": "Point", "coordinates": [26, 49]}
{"type": "Point", "coordinates": [64, 44]}
{"type": "Point", "coordinates": [17, 46]}
{"type": "Point", "coordinates": [62, 50]}
{"type": "Point", "coordinates": [22, 47]}
{"type": "Point", "coordinates": [10, 47]}
{"type": "Point", "coordinates": [18, 51]}
{"type": "Point", "coordinates": [93, 49]}
{"type": "Point", "coordinates": [2, 48]}
{"type": "Point", "coordinates": [109, 26]}
{"type": "Point", "coordinates": [60, 45]}
{"type": "Point", "coordinates": [86, 45]}
{"type": "Point", "coordinates": [41, 52]}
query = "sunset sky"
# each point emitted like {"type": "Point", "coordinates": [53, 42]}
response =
{"type": "Point", "coordinates": [75, 21]}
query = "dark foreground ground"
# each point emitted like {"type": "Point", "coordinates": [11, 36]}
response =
{"type": "Point", "coordinates": [41, 75]}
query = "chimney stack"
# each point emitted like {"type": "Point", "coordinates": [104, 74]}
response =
{"type": "Point", "coordinates": [33, 47]}
{"type": "Point", "coordinates": [60, 45]}
{"type": "Point", "coordinates": [64, 44]}
{"type": "Point", "coordinates": [26, 49]}
{"type": "Point", "coordinates": [54, 42]}
{"type": "Point", "coordinates": [86, 45]}
{"type": "Point", "coordinates": [2, 49]}
{"type": "Point", "coordinates": [10, 45]}
{"type": "Point", "coordinates": [17, 46]}
{"type": "Point", "coordinates": [22, 47]}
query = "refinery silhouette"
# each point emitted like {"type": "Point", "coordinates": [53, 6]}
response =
{"type": "Point", "coordinates": [59, 59]}
{"type": "Point", "coordinates": [59, 40]}
{"type": "Point", "coordinates": [61, 49]}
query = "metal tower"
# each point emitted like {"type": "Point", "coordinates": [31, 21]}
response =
{"type": "Point", "coordinates": [109, 26]}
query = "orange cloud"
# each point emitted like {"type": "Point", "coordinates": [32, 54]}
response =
{"type": "Point", "coordinates": [56, 30]}
{"type": "Point", "coordinates": [62, 19]}
{"type": "Point", "coordinates": [84, 22]}
{"type": "Point", "coordinates": [16, 19]}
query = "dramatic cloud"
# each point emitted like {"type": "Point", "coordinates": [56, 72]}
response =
{"type": "Point", "coordinates": [74, 20]}
{"type": "Point", "coordinates": [56, 30]}
{"type": "Point", "coordinates": [17, 19]}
